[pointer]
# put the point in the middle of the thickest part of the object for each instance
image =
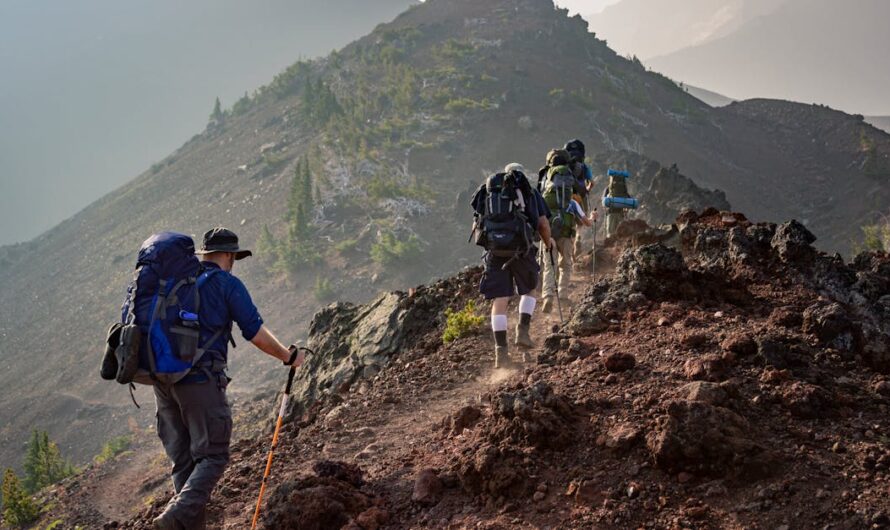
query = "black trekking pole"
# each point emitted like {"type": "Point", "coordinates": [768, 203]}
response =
{"type": "Point", "coordinates": [281, 412]}
{"type": "Point", "coordinates": [556, 287]}
{"type": "Point", "coordinates": [593, 257]}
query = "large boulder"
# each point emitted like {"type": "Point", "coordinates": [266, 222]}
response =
{"type": "Point", "coordinates": [700, 438]}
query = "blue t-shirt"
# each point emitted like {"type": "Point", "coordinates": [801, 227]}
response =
{"type": "Point", "coordinates": [224, 300]}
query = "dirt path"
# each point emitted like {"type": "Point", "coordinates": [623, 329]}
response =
{"type": "Point", "coordinates": [368, 436]}
{"type": "Point", "coordinates": [131, 482]}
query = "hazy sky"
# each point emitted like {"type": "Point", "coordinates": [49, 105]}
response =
{"type": "Point", "coordinates": [92, 92]}
{"type": "Point", "coordinates": [585, 7]}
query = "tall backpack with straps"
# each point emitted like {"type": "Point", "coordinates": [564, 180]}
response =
{"type": "Point", "coordinates": [503, 228]}
{"type": "Point", "coordinates": [558, 187]}
{"type": "Point", "coordinates": [158, 339]}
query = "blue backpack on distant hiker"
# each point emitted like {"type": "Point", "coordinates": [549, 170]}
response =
{"type": "Point", "coordinates": [158, 340]}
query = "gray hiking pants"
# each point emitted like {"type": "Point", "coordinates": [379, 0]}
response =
{"type": "Point", "coordinates": [195, 426]}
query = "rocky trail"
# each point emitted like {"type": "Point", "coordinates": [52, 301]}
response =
{"type": "Point", "coordinates": [729, 376]}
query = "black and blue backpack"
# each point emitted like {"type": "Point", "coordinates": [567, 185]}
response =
{"type": "Point", "coordinates": [158, 339]}
{"type": "Point", "coordinates": [503, 228]}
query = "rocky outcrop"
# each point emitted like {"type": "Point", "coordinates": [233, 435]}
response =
{"type": "Point", "coordinates": [354, 342]}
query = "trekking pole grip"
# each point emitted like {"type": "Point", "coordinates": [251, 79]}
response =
{"type": "Point", "coordinates": [290, 379]}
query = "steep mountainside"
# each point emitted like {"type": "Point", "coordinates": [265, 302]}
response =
{"type": "Point", "coordinates": [393, 127]}
{"type": "Point", "coordinates": [138, 80]}
{"type": "Point", "coordinates": [735, 380]}
{"type": "Point", "coordinates": [815, 51]}
{"type": "Point", "coordinates": [649, 28]}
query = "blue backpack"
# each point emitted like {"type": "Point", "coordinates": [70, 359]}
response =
{"type": "Point", "coordinates": [159, 336]}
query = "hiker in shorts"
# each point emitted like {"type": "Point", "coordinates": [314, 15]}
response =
{"type": "Point", "coordinates": [193, 415]}
{"type": "Point", "coordinates": [510, 272]}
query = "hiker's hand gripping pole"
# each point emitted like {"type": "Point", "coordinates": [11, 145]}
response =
{"type": "Point", "coordinates": [555, 286]}
{"type": "Point", "coordinates": [281, 412]}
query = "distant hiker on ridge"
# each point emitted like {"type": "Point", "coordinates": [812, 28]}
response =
{"type": "Point", "coordinates": [617, 211]}
{"type": "Point", "coordinates": [559, 190]}
{"type": "Point", "coordinates": [508, 211]}
{"type": "Point", "coordinates": [583, 183]}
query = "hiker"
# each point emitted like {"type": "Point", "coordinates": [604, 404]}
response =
{"type": "Point", "coordinates": [616, 189]}
{"type": "Point", "coordinates": [584, 182]}
{"type": "Point", "coordinates": [559, 188]}
{"type": "Point", "coordinates": [508, 212]}
{"type": "Point", "coordinates": [194, 419]}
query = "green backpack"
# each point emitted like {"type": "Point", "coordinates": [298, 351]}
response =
{"type": "Point", "coordinates": [557, 190]}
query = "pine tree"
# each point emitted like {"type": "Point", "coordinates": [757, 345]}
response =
{"type": "Point", "coordinates": [217, 116]}
{"type": "Point", "coordinates": [18, 508]}
{"type": "Point", "coordinates": [35, 472]}
{"type": "Point", "coordinates": [44, 464]}
{"type": "Point", "coordinates": [306, 189]}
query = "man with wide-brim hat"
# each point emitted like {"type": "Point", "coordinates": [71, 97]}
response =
{"type": "Point", "coordinates": [194, 419]}
{"type": "Point", "coordinates": [221, 239]}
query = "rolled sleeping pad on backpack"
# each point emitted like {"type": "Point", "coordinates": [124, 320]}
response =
{"type": "Point", "coordinates": [628, 203]}
{"type": "Point", "coordinates": [617, 173]}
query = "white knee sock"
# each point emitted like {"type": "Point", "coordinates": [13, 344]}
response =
{"type": "Point", "coordinates": [527, 304]}
{"type": "Point", "coordinates": [499, 322]}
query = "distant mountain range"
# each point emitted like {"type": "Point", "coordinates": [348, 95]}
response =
{"type": "Point", "coordinates": [813, 51]}
{"type": "Point", "coordinates": [649, 28]}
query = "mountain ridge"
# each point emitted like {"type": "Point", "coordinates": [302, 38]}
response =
{"type": "Point", "coordinates": [425, 103]}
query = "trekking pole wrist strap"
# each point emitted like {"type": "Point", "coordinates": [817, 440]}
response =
{"type": "Point", "coordinates": [294, 352]}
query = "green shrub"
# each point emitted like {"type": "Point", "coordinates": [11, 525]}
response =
{"type": "Point", "coordinates": [18, 508]}
{"type": "Point", "coordinates": [876, 237]}
{"type": "Point", "coordinates": [346, 246]}
{"type": "Point", "coordinates": [55, 524]}
{"type": "Point", "coordinates": [466, 104]}
{"type": "Point", "coordinates": [273, 161]}
{"type": "Point", "coordinates": [323, 289]}
{"type": "Point", "coordinates": [455, 50]}
{"type": "Point", "coordinates": [388, 249]}
{"type": "Point", "coordinates": [112, 448]}
{"type": "Point", "coordinates": [381, 186]}
{"type": "Point", "coordinates": [462, 323]}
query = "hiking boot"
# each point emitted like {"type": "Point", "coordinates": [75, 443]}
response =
{"type": "Point", "coordinates": [547, 306]}
{"type": "Point", "coordinates": [501, 357]}
{"type": "Point", "coordinates": [523, 340]}
{"type": "Point", "coordinates": [166, 521]}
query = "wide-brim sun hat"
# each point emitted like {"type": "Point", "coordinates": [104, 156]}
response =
{"type": "Point", "coordinates": [221, 239]}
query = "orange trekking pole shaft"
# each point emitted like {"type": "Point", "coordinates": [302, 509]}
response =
{"type": "Point", "coordinates": [278, 423]}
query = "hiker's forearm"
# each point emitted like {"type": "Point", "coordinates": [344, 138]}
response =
{"type": "Point", "coordinates": [544, 229]}
{"type": "Point", "coordinates": [266, 341]}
